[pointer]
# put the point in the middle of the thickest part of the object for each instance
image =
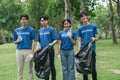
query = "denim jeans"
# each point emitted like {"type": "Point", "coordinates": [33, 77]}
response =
{"type": "Point", "coordinates": [67, 60]}
{"type": "Point", "coordinates": [94, 73]}
{"type": "Point", "coordinates": [52, 66]}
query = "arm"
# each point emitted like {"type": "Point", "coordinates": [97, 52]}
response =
{"type": "Point", "coordinates": [96, 37]}
{"type": "Point", "coordinates": [79, 43]}
{"type": "Point", "coordinates": [95, 34]}
{"type": "Point", "coordinates": [33, 45]}
{"type": "Point", "coordinates": [59, 46]}
{"type": "Point", "coordinates": [73, 41]}
{"type": "Point", "coordinates": [54, 42]}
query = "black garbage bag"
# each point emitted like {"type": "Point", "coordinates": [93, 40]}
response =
{"type": "Point", "coordinates": [40, 55]}
{"type": "Point", "coordinates": [42, 62]}
{"type": "Point", "coordinates": [83, 59]}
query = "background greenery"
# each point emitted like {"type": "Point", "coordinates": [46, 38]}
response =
{"type": "Point", "coordinates": [98, 10]}
{"type": "Point", "coordinates": [108, 63]}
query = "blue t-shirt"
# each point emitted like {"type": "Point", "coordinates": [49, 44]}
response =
{"type": "Point", "coordinates": [86, 33]}
{"type": "Point", "coordinates": [46, 36]}
{"type": "Point", "coordinates": [28, 34]}
{"type": "Point", "coordinates": [66, 43]}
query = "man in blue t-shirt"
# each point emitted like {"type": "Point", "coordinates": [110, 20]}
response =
{"type": "Point", "coordinates": [85, 33]}
{"type": "Point", "coordinates": [47, 36]}
{"type": "Point", "coordinates": [24, 38]}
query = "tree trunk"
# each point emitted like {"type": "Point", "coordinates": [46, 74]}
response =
{"type": "Point", "coordinates": [118, 8]}
{"type": "Point", "coordinates": [67, 9]}
{"type": "Point", "coordinates": [83, 8]}
{"type": "Point", "coordinates": [2, 39]}
{"type": "Point", "coordinates": [118, 11]}
{"type": "Point", "coordinates": [114, 41]}
{"type": "Point", "coordinates": [106, 34]}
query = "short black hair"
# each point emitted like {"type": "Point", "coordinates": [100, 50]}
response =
{"type": "Point", "coordinates": [44, 17]}
{"type": "Point", "coordinates": [68, 20]}
{"type": "Point", "coordinates": [83, 13]}
{"type": "Point", "coordinates": [24, 15]}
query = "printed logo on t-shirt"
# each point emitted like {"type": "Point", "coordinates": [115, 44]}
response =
{"type": "Point", "coordinates": [89, 30]}
{"type": "Point", "coordinates": [45, 33]}
{"type": "Point", "coordinates": [23, 33]}
{"type": "Point", "coordinates": [64, 35]}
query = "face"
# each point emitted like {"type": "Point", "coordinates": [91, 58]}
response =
{"type": "Point", "coordinates": [43, 22]}
{"type": "Point", "coordinates": [24, 21]}
{"type": "Point", "coordinates": [67, 25]}
{"type": "Point", "coordinates": [84, 18]}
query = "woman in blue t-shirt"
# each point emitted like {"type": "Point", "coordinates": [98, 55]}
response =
{"type": "Point", "coordinates": [66, 40]}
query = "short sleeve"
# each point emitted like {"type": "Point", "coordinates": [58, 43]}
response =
{"type": "Point", "coordinates": [59, 36]}
{"type": "Point", "coordinates": [74, 36]}
{"type": "Point", "coordinates": [79, 33]}
{"type": "Point", "coordinates": [53, 34]}
{"type": "Point", "coordinates": [95, 30]}
{"type": "Point", "coordinates": [33, 35]}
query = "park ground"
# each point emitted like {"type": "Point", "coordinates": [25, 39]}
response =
{"type": "Point", "coordinates": [108, 62]}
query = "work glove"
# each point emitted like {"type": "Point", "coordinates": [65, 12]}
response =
{"type": "Point", "coordinates": [59, 57]}
{"type": "Point", "coordinates": [19, 39]}
{"type": "Point", "coordinates": [38, 47]}
{"type": "Point", "coordinates": [69, 34]}
{"type": "Point", "coordinates": [29, 58]}
{"type": "Point", "coordinates": [50, 44]}
{"type": "Point", "coordinates": [93, 39]}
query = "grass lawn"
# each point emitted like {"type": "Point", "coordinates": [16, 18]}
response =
{"type": "Point", "coordinates": [108, 62]}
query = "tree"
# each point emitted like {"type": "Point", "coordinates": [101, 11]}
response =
{"type": "Point", "coordinates": [118, 12]}
{"type": "Point", "coordinates": [114, 41]}
{"type": "Point", "coordinates": [9, 17]}
{"type": "Point", "coordinates": [67, 9]}
{"type": "Point", "coordinates": [102, 21]}
{"type": "Point", "coordinates": [83, 7]}
{"type": "Point", "coordinates": [56, 13]}
{"type": "Point", "coordinates": [88, 6]}
{"type": "Point", "coordinates": [35, 9]}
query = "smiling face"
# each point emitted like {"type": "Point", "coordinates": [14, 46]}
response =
{"type": "Point", "coordinates": [24, 21]}
{"type": "Point", "coordinates": [67, 25]}
{"type": "Point", "coordinates": [84, 18]}
{"type": "Point", "coordinates": [43, 22]}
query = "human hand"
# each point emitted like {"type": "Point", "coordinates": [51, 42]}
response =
{"type": "Point", "coordinates": [69, 34]}
{"type": "Point", "coordinates": [50, 44]}
{"type": "Point", "coordinates": [19, 39]}
{"type": "Point", "coordinates": [29, 58]}
{"type": "Point", "coordinates": [93, 39]}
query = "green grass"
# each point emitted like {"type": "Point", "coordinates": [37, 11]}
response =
{"type": "Point", "coordinates": [108, 59]}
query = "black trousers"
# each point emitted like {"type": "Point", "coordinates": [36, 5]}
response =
{"type": "Point", "coordinates": [94, 73]}
{"type": "Point", "coordinates": [52, 66]}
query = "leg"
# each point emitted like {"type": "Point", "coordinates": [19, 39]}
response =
{"type": "Point", "coordinates": [52, 65]}
{"type": "Point", "coordinates": [29, 65]}
{"type": "Point", "coordinates": [85, 77]}
{"type": "Point", "coordinates": [71, 71]}
{"type": "Point", "coordinates": [94, 73]}
{"type": "Point", "coordinates": [64, 65]}
{"type": "Point", "coordinates": [20, 63]}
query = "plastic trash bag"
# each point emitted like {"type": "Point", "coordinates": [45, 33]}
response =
{"type": "Point", "coordinates": [42, 62]}
{"type": "Point", "coordinates": [83, 59]}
